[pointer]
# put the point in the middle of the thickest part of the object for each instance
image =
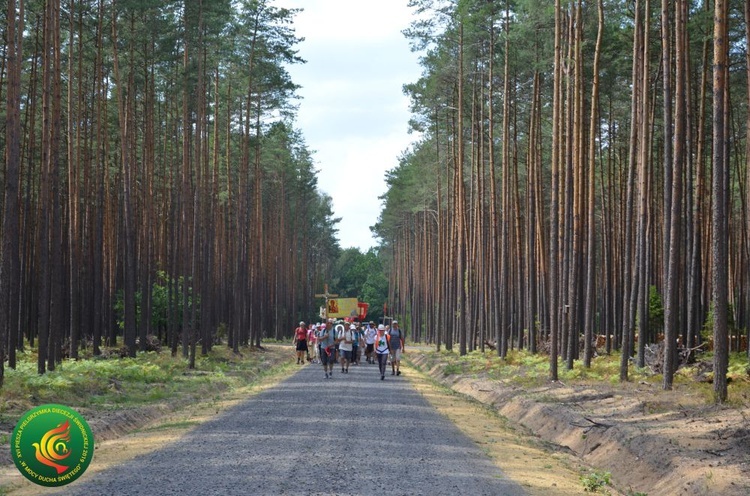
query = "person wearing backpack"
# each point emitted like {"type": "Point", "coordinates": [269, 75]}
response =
{"type": "Point", "coordinates": [356, 338]}
{"type": "Point", "coordinates": [381, 350]}
{"type": "Point", "coordinates": [396, 343]}
{"type": "Point", "coordinates": [346, 344]}
{"type": "Point", "coordinates": [326, 348]}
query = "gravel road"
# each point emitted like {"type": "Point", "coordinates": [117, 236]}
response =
{"type": "Point", "coordinates": [353, 434]}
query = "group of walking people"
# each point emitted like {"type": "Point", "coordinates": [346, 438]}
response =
{"type": "Point", "coordinates": [333, 343]}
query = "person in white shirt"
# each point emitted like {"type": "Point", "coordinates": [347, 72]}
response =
{"type": "Point", "coordinates": [382, 348]}
{"type": "Point", "coordinates": [346, 341]}
{"type": "Point", "coordinates": [370, 334]}
{"type": "Point", "coordinates": [312, 343]}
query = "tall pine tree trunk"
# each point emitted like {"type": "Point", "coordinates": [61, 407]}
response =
{"type": "Point", "coordinates": [719, 211]}
{"type": "Point", "coordinates": [10, 269]}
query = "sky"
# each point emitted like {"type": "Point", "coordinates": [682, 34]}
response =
{"type": "Point", "coordinates": [353, 113]}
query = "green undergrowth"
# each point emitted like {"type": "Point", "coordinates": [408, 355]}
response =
{"type": "Point", "coordinates": [114, 383]}
{"type": "Point", "coordinates": [594, 481]}
{"type": "Point", "coordinates": [523, 369]}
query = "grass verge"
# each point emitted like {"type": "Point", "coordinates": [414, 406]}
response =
{"type": "Point", "coordinates": [101, 390]}
{"type": "Point", "coordinates": [523, 369]}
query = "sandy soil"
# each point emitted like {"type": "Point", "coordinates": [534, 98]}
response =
{"type": "Point", "coordinates": [652, 442]}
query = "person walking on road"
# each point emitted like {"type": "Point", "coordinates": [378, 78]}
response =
{"type": "Point", "coordinates": [346, 343]}
{"type": "Point", "coordinates": [381, 350]}
{"type": "Point", "coordinates": [396, 344]}
{"type": "Point", "coordinates": [300, 340]}
{"type": "Point", "coordinates": [326, 349]}
{"type": "Point", "coordinates": [356, 338]}
{"type": "Point", "coordinates": [370, 334]}
{"type": "Point", "coordinates": [312, 343]}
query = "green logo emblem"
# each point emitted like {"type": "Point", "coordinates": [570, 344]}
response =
{"type": "Point", "coordinates": [52, 445]}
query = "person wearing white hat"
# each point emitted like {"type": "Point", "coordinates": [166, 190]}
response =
{"type": "Point", "coordinates": [346, 340]}
{"type": "Point", "coordinates": [381, 350]}
{"type": "Point", "coordinates": [300, 339]}
{"type": "Point", "coordinates": [370, 334]}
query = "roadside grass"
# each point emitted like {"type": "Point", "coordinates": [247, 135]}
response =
{"type": "Point", "coordinates": [594, 481]}
{"type": "Point", "coordinates": [116, 383]}
{"type": "Point", "coordinates": [97, 387]}
{"type": "Point", "coordinates": [184, 424]}
{"type": "Point", "coordinates": [523, 369]}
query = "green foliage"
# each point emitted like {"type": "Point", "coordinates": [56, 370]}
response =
{"type": "Point", "coordinates": [594, 481]}
{"type": "Point", "coordinates": [636, 493]}
{"type": "Point", "coordinates": [361, 275]}
{"type": "Point", "coordinates": [739, 366]}
{"type": "Point", "coordinates": [160, 302]}
{"type": "Point", "coordinates": [105, 385]}
{"type": "Point", "coordinates": [655, 309]}
{"type": "Point", "coordinates": [148, 377]}
{"type": "Point", "coordinates": [522, 368]}
{"type": "Point", "coordinates": [81, 381]}
{"type": "Point", "coordinates": [707, 332]}
{"type": "Point", "coordinates": [452, 369]}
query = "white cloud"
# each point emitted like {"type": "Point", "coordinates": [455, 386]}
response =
{"type": "Point", "coordinates": [353, 112]}
{"type": "Point", "coordinates": [356, 180]}
{"type": "Point", "coordinates": [349, 20]}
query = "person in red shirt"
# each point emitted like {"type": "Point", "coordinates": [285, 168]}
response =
{"type": "Point", "coordinates": [300, 339]}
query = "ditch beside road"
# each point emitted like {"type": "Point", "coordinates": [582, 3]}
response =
{"type": "Point", "coordinates": [647, 440]}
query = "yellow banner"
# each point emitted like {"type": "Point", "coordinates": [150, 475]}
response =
{"type": "Point", "coordinates": [342, 307]}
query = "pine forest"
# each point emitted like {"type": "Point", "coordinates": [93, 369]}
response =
{"type": "Point", "coordinates": [579, 178]}
{"type": "Point", "coordinates": [581, 174]}
{"type": "Point", "coordinates": [154, 182]}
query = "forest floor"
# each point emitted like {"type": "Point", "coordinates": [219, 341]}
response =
{"type": "Point", "coordinates": [554, 438]}
{"type": "Point", "coordinates": [646, 440]}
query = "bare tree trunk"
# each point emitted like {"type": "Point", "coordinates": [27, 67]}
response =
{"type": "Point", "coordinates": [554, 268]}
{"type": "Point", "coordinates": [461, 308]}
{"type": "Point", "coordinates": [575, 284]}
{"type": "Point", "coordinates": [130, 273]}
{"type": "Point", "coordinates": [531, 220]}
{"type": "Point", "coordinates": [640, 281]}
{"type": "Point", "coordinates": [10, 269]}
{"type": "Point", "coordinates": [640, 49]}
{"type": "Point", "coordinates": [45, 195]}
{"type": "Point", "coordinates": [671, 307]}
{"type": "Point", "coordinates": [591, 235]}
{"type": "Point", "coordinates": [747, 165]}
{"type": "Point", "coordinates": [720, 186]}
